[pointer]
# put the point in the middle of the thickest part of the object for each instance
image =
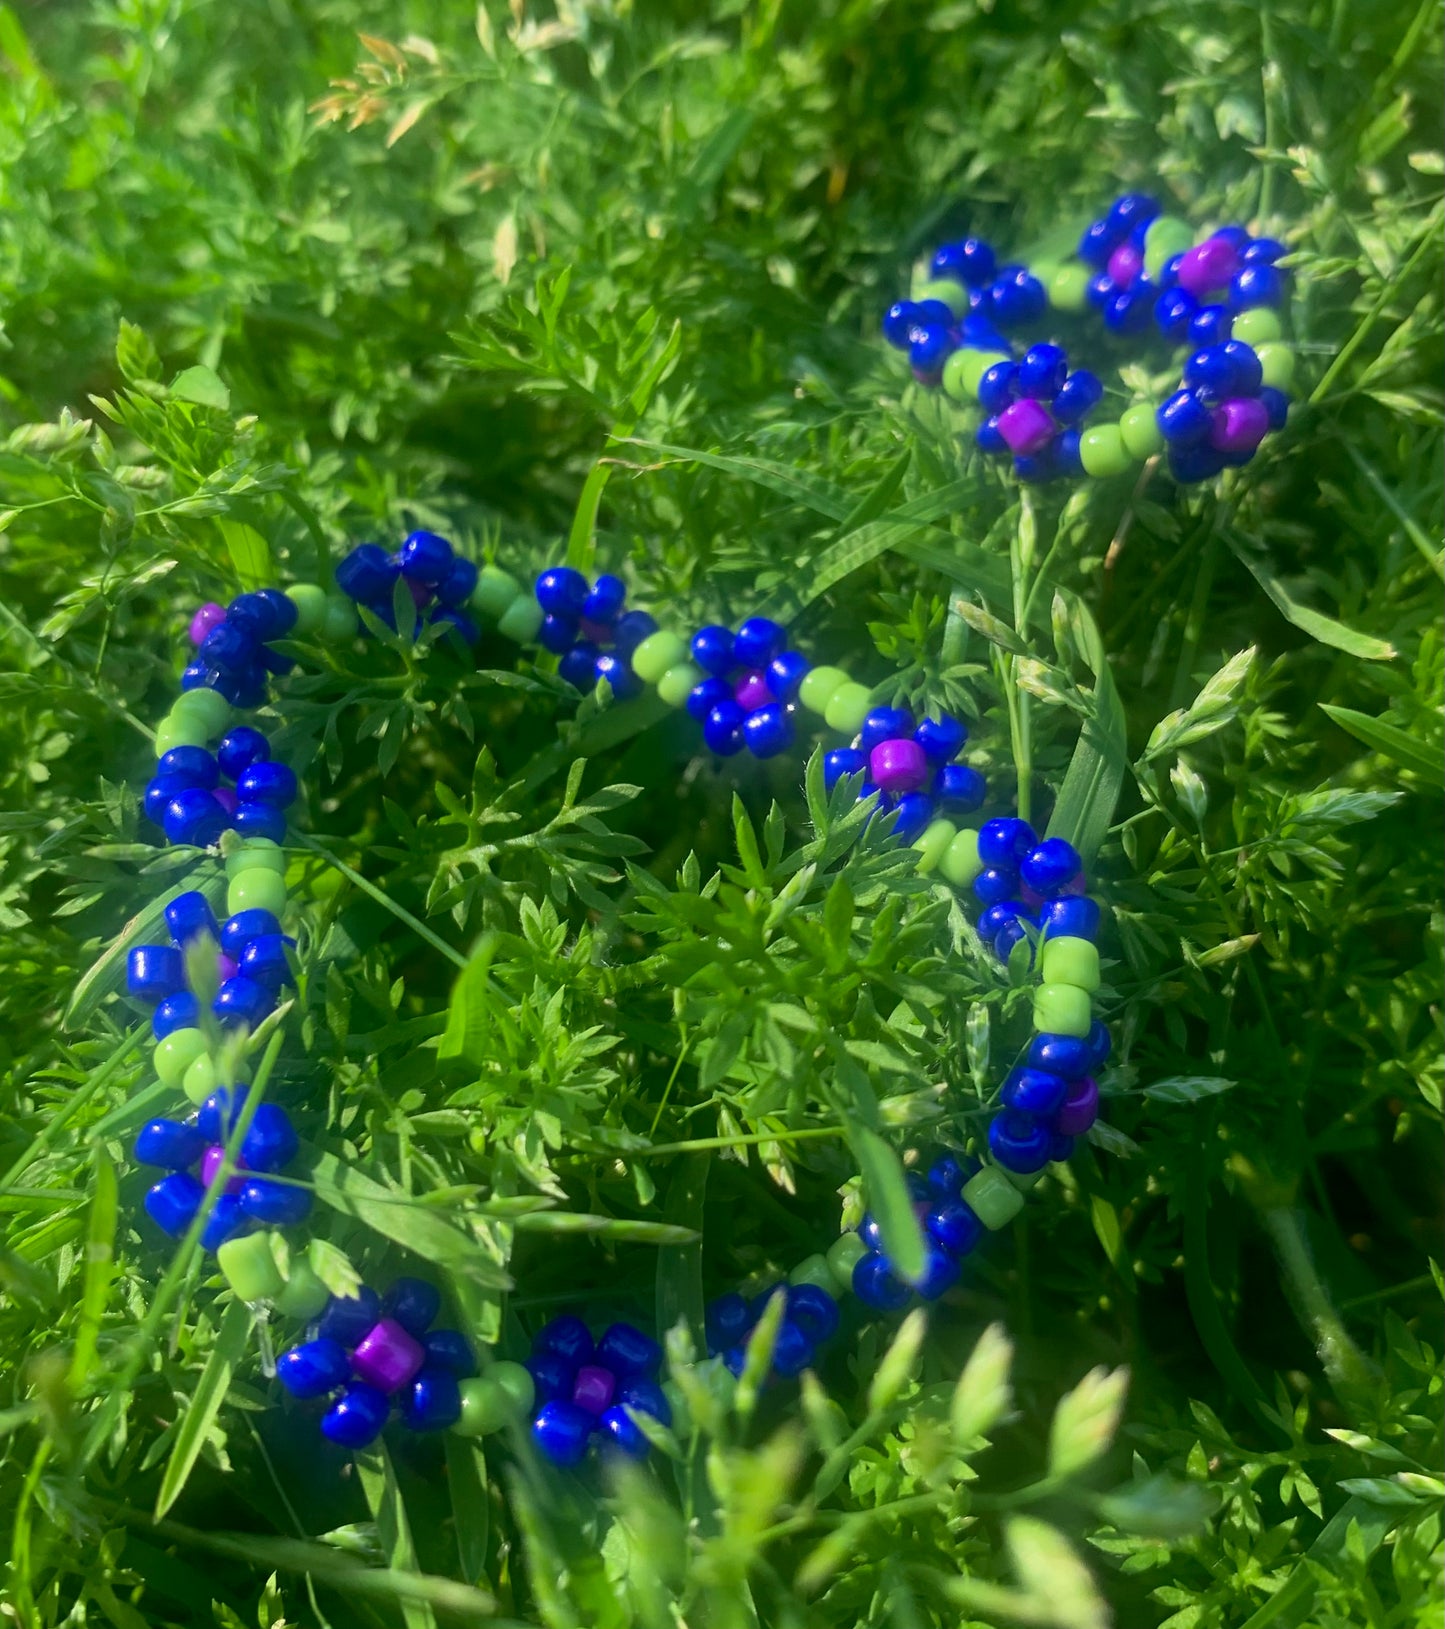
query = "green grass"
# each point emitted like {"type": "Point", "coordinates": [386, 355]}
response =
{"type": "Point", "coordinates": [608, 281]}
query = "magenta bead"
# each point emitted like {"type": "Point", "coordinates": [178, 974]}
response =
{"type": "Point", "coordinates": [1080, 1110]}
{"type": "Point", "coordinates": [1207, 266]}
{"type": "Point", "coordinates": [594, 1389]}
{"type": "Point", "coordinates": [387, 1357]}
{"type": "Point", "coordinates": [1026, 426]}
{"type": "Point", "coordinates": [1077, 884]}
{"type": "Point", "coordinates": [211, 1163]}
{"type": "Point", "coordinates": [227, 967]}
{"type": "Point", "coordinates": [226, 797]}
{"type": "Point", "coordinates": [1125, 264]}
{"type": "Point", "coordinates": [752, 692]}
{"type": "Point", "coordinates": [208, 617]}
{"type": "Point", "coordinates": [1239, 424]}
{"type": "Point", "coordinates": [898, 766]}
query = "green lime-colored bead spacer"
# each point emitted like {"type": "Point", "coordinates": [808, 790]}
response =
{"type": "Point", "coordinates": [656, 654]}
{"type": "Point", "coordinates": [960, 863]}
{"type": "Point", "coordinates": [1256, 327]}
{"type": "Point", "coordinates": [256, 854]}
{"type": "Point", "coordinates": [310, 602]}
{"type": "Point", "coordinates": [932, 844]}
{"type": "Point", "coordinates": [1277, 363]}
{"type": "Point", "coordinates": [992, 1198]}
{"type": "Point", "coordinates": [842, 1256]}
{"type": "Point", "coordinates": [847, 707]}
{"type": "Point", "coordinates": [813, 1270]}
{"type": "Point", "coordinates": [304, 1295]}
{"type": "Point", "coordinates": [678, 683]}
{"type": "Point", "coordinates": [1069, 288]}
{"type": "Point", "coordinates": [1070, 960]}
{"type": "Point", "coordinates": [521, 621]}
{"type": "Point", "coordinates": [495, 591]}
{"type": "Point", "coordinates": [1139, 429]}
{"type": "Point", "coordinates": [210, 707]}
{"type": "Point", "coordinates": [199, 1080]}
{"type": "Point", "coordinates": [1165, 237]}
{"type": "Point", "coordinates": [954, 295]}
{"type": "Point", "coordinates": [341, 621]}
{"type": "Point", "coordinates": [1102, 451]}
{"type": "Point", "coordinates": [178, 729]}
{"type": "Point", "coordinates": [819, 686]}
{"type": "Point", "coordinates": [1062, 1009]}
{"type": "Point", "coordinates": [250, 1267]}
{"type": "Point", "coordinates": [256, 890]}
{"type": "Point", "coordinates": [175, 1053]}
{"type": "Point", "coordinates": [491, 1401]}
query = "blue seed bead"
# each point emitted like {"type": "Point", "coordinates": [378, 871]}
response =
{"type": "Point", "coordinates": [1006, 938]}
{"type": "Point", "coordinates": [980, 334]}
{"type": "Point", "coordinates": [842, 761]}
{"type": "Point", "coordinates": [1263, 252]}
{"type": "Point", "coordinates": [1100, 290]}
{"type": "Point", "coordinates": [1174, 310]}
{"type": "Point", "coordinates": [628, 1352]}
{"type": "Point", "coordinates": [897, 321]}
{"type": "Point", "coordinates": [1067, 453]}
{"type": "Point", "coordinates": [959, 787]}
{"type": "Point", "coordinates": [313, 1368]}
{"type": "Point", "coordinates": [264, 960]}
{"type": "Point", "coordinates": [171, 1144]}
{"type": "Point", "coordinates": [1099, 241]}
{"type": "Point", "coordinates": [1005, 841]}
{"type": "Point", "coordinates": [449, 1349]}
{"type": "Point", "coordinates": [998, 386]}
{"type": "Point", "coordinates": [1042, 465]}
{"type": "Point", "coordinates": [1210, 325]}
{"type": "Point", "coordinates": [242, 1001]}
{"type": "Point", "coordinates": [239, 749]}
{"type": "Point", "coordinates": [225, 1221]}
{"type": "Point", "coordinates": [913, 813]}
{"type": "Point", "coordinates": [561, 1429]}
{"type": "Point", "coordinates": [1073, 917]}
{"type": "Point", "coordinates": [413, 1303]}
{"type": "Point", "coordinates": [970, 261]}
{"type": "Point", "coordinates": [267, 782]}
{"type": "Point", "coordinates": [1131, 211]}
{"type": "Point", "coordinates": [930, 345]}
{"type": "Point", "coordinates": [768, 730]}
{"type": "Point", "coordinates": [173, 1202]}
{"type": "Point", "coordinates": [180, 1011]}
{"type": "Point", "coordinates": [735, 1358]}
{"type": "Point", "coordinates": [248, 689]}
{"type": "Point", "coordinates": [356, 1418]}
{"type": "Point", "coordinates": [197, 676]}
{"type": "Point", "coordinates": [1100, 1045]}
{"type": "Point", "coordinates": [1169, 277]}
{"type": "Point", "coordinates": [1043, 370]}
{"type": "Point", "coordinates": [271, 1142]}
{"type": "Point", "coordinates": [275, 661]}
{"type": "Point", "coordinates": [579, 665]}
{"type": "Point", "coordinates": [953, 1226]}
{"type": "Point", "coordinates": [1061, 1148]}
{"type": "Point", "coordinates": [217, 1116]}
{"type": "Point", "coordinates": [158, 794]}
{"type": "Point", "coordinates": [1066, 1055]}
{"type": "Point", "coordinates": [425, 558]}
{"type": "Point", "coordinates": [940, 1273]}
{"type": "Point", "coordinates": [792, 1351]}
{"type": "Point", "coordinates": [758, 641]}
{"type": "Point", "coordinates": [558, 632]}
{"type": "Point", "coordinates": [722, 729]}
{"type": "Point", "coordinates": [432, 1401]}
{"type": "Point", "coordinates": [194, 816]}
{"type": "Point", "coordinates": [605, 602]}
{"type": "Point", "coordinates": [630, 629]}
{"type": "Point", "coordinates": [1127, 311]}
{"type": "Point", "coordinates": [461, 578]}
{"type": "Point", "coordinates": [618, 1430]}
{"type": "Point", "coordinates": [989, 439]}
{"type": "Point", "coordinates": [1234, 235]}
{"type": "Point", "coordinates": [932, 314]}
{"type": "Point", "coordinates": [262, 614]}
{"type": "Point", "coordinates": [706, 695]}
{"type": "Point", "coordinates": [758, 1305]}
{"type": "Point", "coordinates": [275, 1204]}
{"type": "Point", "coordinates": [239, 930]}
{"type": "Point", "coordinates": [1077, 395]}
{"type": "Point", "coordinates": [152, 972]}
{"type": "Point", "coordinates": [1183, 419]}
{"type": "Point", "coordinates": [876, 1286]}
{"type": "Point", "coordinates": [229, 648]}
{"type": "Point", "coordinates": [552, 1375]}
{"type": "Point", "coordinates": [1248, 371]}
{"type": "Point", "coordinates": [260, 820]}
{"type": "Point", "coordinates": [366, 573]}
{"type": "Point", "coordinates": [456, 624]}
{"type": "Point", "coordinates": [1276, 404]}
{"type": "Point", "coordinates": [188, 766]}
{"type": "Point", "coordinates": [1035, 1091]}
{"type": "Point", "coordinates": [884, 724]}
{"type": "Point", "coordinates": [1050, 866]}
{"type": "Point", "coordinates": [870, 1232]}
{"type": "Point", "coordinates": [567, 1337]}
{"type": "Point", "coordinates": [916, 1183]}
{"type": "Point", "coordinates": [647, 1397]}
{"type": "Point", "coordinates": [995, 884]}
{"type": "Point", "coordinates": [942, 739]}
{"type": "Point", "coordinates": [1018, 1142]}
{"type": "Point", "coordinates": [1210, 373]}
{"type": "Point", "coordinates": [786, 672]}
{"type": "Point", "coordinates": [1198, 463]}
{"type": "Point", "coordinates": [814, 1311]}
{"type": "Point", "coordinates": [562, 591]}
{"type": "Point", "coordinates": [947, 1175]}
{"type": "Point", "coordinates": [712, 649]}
{"type": "Point", "coordinates": [997, 917]}
{"type": "Point", "coordinates": [727, 1319]}
{"type": "Point", "coordinates": [346, 1318]}
{"type": "Point", "coordinates": [616, 668]}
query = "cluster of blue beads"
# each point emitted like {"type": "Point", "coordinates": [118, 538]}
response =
{"type": "Point", "coordinates": [1184, 317]}
{"type": "Point", "coordinates": [810, 1317]}
{"type": "Point", "coordinates": [1031, 1130]}
{"type": "Point", "coordinates": [1042, 374]}
{"type": "Point", "coordinates": [322, 1365]}
{"type": "Point", "coordinates": [1027, 881]}
{"type": "Point", "coordinates": [1213, 375]}
{"type": "Point", "coordinates": [181, 797]}
{"type": "Point", "coordinates": [235, 658]}
{"type": "Point", "coordinates": [951, 1230]}
{"type": "Point", "coordinates": [438, 580]}
{"type": "Point", "coordinates": [587, 626]}
{"type": "Point", "coordinates": [573, 1374]}
{"type": "Point", "coordinates": [999, 298]}
{"type": "Point", "coordinates": [252, 939]}
{"type": "Point", "coordinates": [952, 788]}
{"type": "Point", "coordinates": [754, 659]}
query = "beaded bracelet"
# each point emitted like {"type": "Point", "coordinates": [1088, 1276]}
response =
{"type": "Point", "coordinates": [1217, 296]}
{"type": "Point", "coordinates": [217, 785]}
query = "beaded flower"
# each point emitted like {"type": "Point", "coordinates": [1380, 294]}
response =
{"type": "Point", "coordinates": [438, 580]}
{"type": "Point", "coordinates": [187, 799]}
{"type": "Point", "coordinates": [586, 625]}
{"type": "Point", "coordinates": [585, 1389]}
{"type": "Point", "coordinates": [367, 1354]}
{"type": "Point", "coordinates": [951, 1229]}
{"type": "Point", "coordinates": [810, 1317]}
{"type": "Point", "coordinates": [911, 768]}
{"type": "Point", "coordinates": [1221, 413]}
{"type": "Point", "coordinates": [1034, 407]}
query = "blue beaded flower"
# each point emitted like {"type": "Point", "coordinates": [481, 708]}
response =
{"type": "Point", "coordinates": [1114, 246]}
{"type": "Point", "coordinates": [587, 626]}
{"type": "Point", "coordinates": [1221, 413]}
{"type": "Point", "coordinates": [1206, 287]}
{"type": "Point", "coordinates": [930, 331]}
{"type": "Point", "coordinates": [368, 1354]}
{"type": "Point", "coordinates": [951, 1230]}
{"type": "Point", "coordinates": [585, 1389]}
{"type": "Point", "coordinates": [910, 768]}
{"type": "Point", "coordinates": [810, 1317]}
{"type": "Point", "coordinates": [438, 581]}
{"type": "Point", "coordinates": [187, 799]}
{"type": "Point", "coordinates": [1034, 408]}
{"type": "Point", "coordinates": [747, 698]}
{"type": "Point", "coordinates": [233, 646]}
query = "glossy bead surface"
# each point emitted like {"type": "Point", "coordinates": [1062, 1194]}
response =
{"type": "Point", "coordinates": [271, 1142]}
{"type": "Point", "coordinates": [387, 1356]}
{"type": "Point", "coordinates": [1043, 369]}
{"type": "Point", "coordinates": [425, 558]}
{"type": "Point", "coordinates": [758, 641]}
{"type": "Point", "coordinates": [459, 583]}
{"type": "Point", "coordinates": [1100, 1044]}
{"type": "Point", "coordinates": [1034, 1091]}
{"type": "Point", "coordinates": [267, 782]}
{"type": "Point", "coordinates": [1074, 917]}
{"type": "Point", "coordinates": [433, 1400]}
{"type": "Point", "coordinates": [792, 1350]}
{"type": "Point", "coordinates": [1127, 311]}
{"type": "Point", "coordinates": [947, 1175]}
{"type": "Point", "coordinates": [153, 972]}
{"type": "Point", "coordinates": [1079, 394]}
{"type": "Point", "coordinates": [175, 1053]}
{"type": "Point", "coordinates": [504, 1394]}
{"type": "Point", "coordinates": [1066, 1055]}
{"type": "Point", "coordinates": [814, 1311]}
{"type": "Point", "coordinates": [970, 261]}
{"type": "Point", "coordinates": [712, 649]}
{"type": "Point", "coordinates": [173, 1202]}
{"type": "Point", "coordinates": [277, 1204]}
{"type": "Point", "coordinates": [785, 674]}
{"type": "Point", "coordinates": [561, 590]}
{"type": "Point", "coordinates": [1174, 310]}
{"type": "Point", "coordinates": [1062, 1009]}
{"type": "Point", "coordinates": [240, 928]}
{"type": "Point", "coordinates": [226, 1219]}
{"type": "Point", "coordinates": [842, 761]}
{"type": "Point", "coordinates": [561, 1430]}
{"type": "Point", "coordinates": [1005, 841]}
{"type": "Point", "coordinates": [229, 649]}
{"type": "Point", "coordinates": [366, 573]}
{"type": "Point", "coordinates": [175, 1013]}
{"type": "Point", "coordinates": [959, 786]}
{"type": "Point", "coordinates": [1256, 285]}
{"type": "Point", "coordinates": [942, 739]}
{"type": "Point", "coordinates": [347, 1318]}
{"type": "Point", "coordinates": [912, 814]}
{"type": "Point", "coordinates": [1049, 866]}
{"type": "Point", "coordinates": [996, 918]}
{"type": "Point", "coordinates": [1276, 405]}
{"type": "Point", "coordinates": [557, 632]}
{"type": "Point", "coordinates": [552, 1375]}
{"type": "Point", "coordinates": [593, 1388]}
{"type": "Point", "coordinates": [450, 1350]}
{"type": "Point", "coordinates": [994, 885]}
{"type": "Point", "coordinates": [568, 1337]}
{"type": "Point", "coordinates": [413, 1303]}
{"type": "Point", "coordinates": [259, 820]}
{"type": "Point", "coordinates": [929, 345]}
{"type": "Point", "coordinates": [313, 1368]}
{"type": "Point", "coordinates": [953, 1225]}
{"type": "Point", "coordinates": [712, 692]}
{"type": "Point", "coordinates": [1080, 1108]}
{"type": "Point", "coordinates": [940, 1273]}
{"type": "Point", "coordinates": [722, 729]}
{"type": "Point", "coordinates": [768, 731]}
{"type": "Point", "coordinates": [884, 724]}
{"type": "Point", "coordinates": [898, 765]}
{"type": "Point", "coordinates": [618, 1430]}
{"type": "Point", "coordinates": [242, 1001]}
{"type": "Point", "coordinates": [1139, 431]}
{"type": "Point", "coordinates": [190, 914]}
{"type": "Point", "coordinates": [1018, 1142]}
{"type": "Point", "coordinates": [158, 793]}
{"type": "Point", "coordinates": [876, 1286]}
{"type": "Point", "coordinates": [1102, 452]}
{"type": "Point", "coordinates": [1196, 463]}
{"type": "Point", "coordinates": [194, 816]}
{"type": "Point", "coordinates": [1183, 419]}
{"type": "Point", "coordinates": [250, 1267]}
{"type": "Point", "coordinates": [188, 766]}
{"type": "Point", "coordinates": [265, 960]}
{"type": "Point", "coordinates": [171, 1144]}
{"type": "Point", "coordinates": [628, 1352]}
{"type": "Point", "coordinates": [1210, 325]}
{"type": "Point", "coordinates": [356, 1418]}
{"type": "Point", "coordinates": [1016, 298]}
{"type": "Point", "coordinates": [997, 386]}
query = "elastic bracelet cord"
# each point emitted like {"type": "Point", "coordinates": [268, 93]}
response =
{"type": "Point", "coordinates": [367, 1357]}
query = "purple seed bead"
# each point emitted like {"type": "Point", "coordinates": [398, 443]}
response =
{"type": "Point", "coordinates": [1080, 1110]}
{"type": "Point", "coordinates": [209, 616]}
{"type": "Point", "coordinates": [1026, 426]}
{"type": "Point", "coordinates": [386, 1356]}
{"type": "Point", "coordinates": [1240, 424]}
{"type": "Point", "coordinates": [899, 766]}
{"type": "Point", "coordinates": [594, 1388]}
{"type": "Point", "coordinates": [1208, 266]}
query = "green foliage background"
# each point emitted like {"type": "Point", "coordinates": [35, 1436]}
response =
{"type": "Point", "coordinates": [527, 271]}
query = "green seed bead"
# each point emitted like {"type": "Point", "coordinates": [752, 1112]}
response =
{"type": "Point", "coordinates": [677, 684]}
{"type": "Point", "coordinates": [199, 1080]}
{"type": "Point", "coordinates": [992, 1198]}
{"type": "Point", "coordinates": [847, 707]}
{"type": "Point", "coordinates": [1069, 288]}
{"type": "Point", "coordinates": [304, 1295]}
{"type": "Point", "coordinates": [340, 622]}
{"type": "Point", "coordinates": [180, 730]}
{"type": "Point", "coordinates": [1256, 327]}
{"type": "Point", "coordinates": [1165, 237]}
{"type": "Point", "coordinates": [1278, 363]}
{"type": "Point", "coordinates": [1140, 431]}
{"type": "Point", "coordinates": [843, 1255]}
{"type": "Point", "coordinates": [933, 843]}
{"type": "Point", "coordinates": [250, 1267]}
{"type": "Point", "coordinates": [813, 1270]}
{"type": "Point", "coordinates": [209, 707]}
{"type": "Point", "coordinates": [1024, 1180]}
{"type": "Point", "coordinates": [1062, 1009]}
{"type": "Point", "coordinates": [256, 854]}
{"type": "Point", "coordinates": [495, 591]}
{"type": "Point", "coordinates": [256, 890]}
{"type": "Point", "coordinates": [656, 654]}
{"type": "Point", "coordinates": [954, 295]}
{"type": "Point", "coordinates": [819, 686]}
{"type": "Point", "coordinates": [521, 620]}
{"type": "Point", "coordinates": [1102, 451]}
{"type": "Point", "coordinates": [505, 1393]}
{"type": "Point", "coordinates": [310, 602]}
{"type": "Point", "coordinates": [175, 1053]}
{"type": "Point", "coordinates": [1070, 961]}
{"type": "Point", "coordinates": [960, 863]}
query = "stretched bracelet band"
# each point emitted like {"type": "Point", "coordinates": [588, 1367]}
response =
{"type": "Point", "coordinates": [217, 784]}
{"type": "Point", "coordinates": [1135, 265]}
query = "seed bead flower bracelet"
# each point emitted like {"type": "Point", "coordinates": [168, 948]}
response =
{"type": "Point", "coordinates": [1138, 269]}
{"type": "Point", "coordinates": [367, 1358]}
